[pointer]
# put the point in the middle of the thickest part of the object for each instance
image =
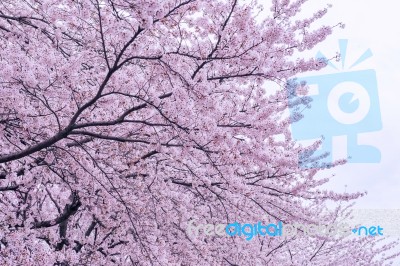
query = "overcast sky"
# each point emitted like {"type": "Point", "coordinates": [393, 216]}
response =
{"type": "Point", "coordinates": [374, 24]}
{"type": "Point", "coordinates": [370, 24]}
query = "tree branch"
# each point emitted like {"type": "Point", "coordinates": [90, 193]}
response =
{"type": "Point", "coordinates": [69, 210]}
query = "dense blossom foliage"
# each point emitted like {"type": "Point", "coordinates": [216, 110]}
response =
{"type": "Point", "coordinates": [122, 120]}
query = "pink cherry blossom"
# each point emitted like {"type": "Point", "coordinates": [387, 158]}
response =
{"type": "Point", "coordinates": [120, 121]}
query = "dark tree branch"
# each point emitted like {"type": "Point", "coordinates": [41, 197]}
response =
{"type": "Point", "coordinates": [69, 210]}
{"type": "Point", "coordinates": [9, 188]}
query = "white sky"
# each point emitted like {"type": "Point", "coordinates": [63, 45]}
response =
{"type": "Point", "coordinates": [375, 25]}
{"type": "Point", "coordinates": [372, 24]}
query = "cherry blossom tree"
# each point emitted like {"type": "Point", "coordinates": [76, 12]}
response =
{"type": "Point", "coordinates": [121, 121]}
